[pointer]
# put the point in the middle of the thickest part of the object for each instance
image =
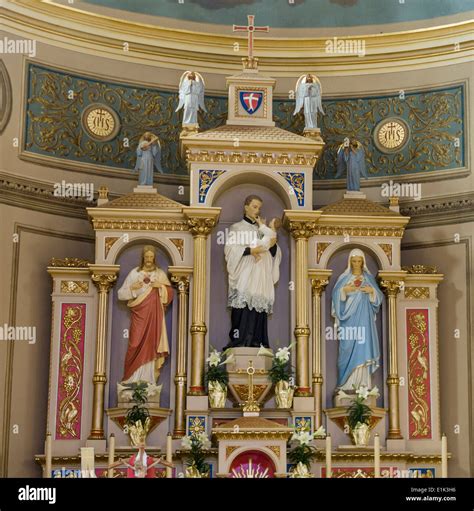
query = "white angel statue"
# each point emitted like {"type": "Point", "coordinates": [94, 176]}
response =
{"type": "Point", "coordinates": [308, 95]}
{"type": "Point", "coordinates": [191, 96]}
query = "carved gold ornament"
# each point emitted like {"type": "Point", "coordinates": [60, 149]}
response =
{"type": "Point", "coordinates": [75, 286]}
{"type": "Point", "coordinates": [417, 293]}
{"type": "Point", "coordinates": [109, 241]}
{"type": "Point", "coordinates": [71, 367]}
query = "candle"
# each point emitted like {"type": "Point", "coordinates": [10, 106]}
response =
{"type": "Point", "coordinates": [328, 456]}
{"type": "Point", "coordinates": [111, 455]}
{"type": "Point", "coordinates": [444, 456]}
{"type": "Point", "coordinates": [48, 455]}
{"type": "Point", "coordinates": [169, 454]}
{"type": "Point", "coordinates": [377, 456]}
{"type": "Point", "coordinates": [87, 462]}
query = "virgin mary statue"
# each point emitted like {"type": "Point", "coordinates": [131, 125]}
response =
{"type": "Point", "coordinates": [356, 299]}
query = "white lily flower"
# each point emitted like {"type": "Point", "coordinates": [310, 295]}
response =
{"type": "Point", "coordinates": [214, 358]}
{"type": "Point", "coordinates": [228, 360]}
{"type": "Point", "coordinates": [320, 432]}
{"type": "Point", "coordinates": [374, 392]}
{"type": "Point", "coordinates": [264, 352]}
{"type": "Point", "coordinates": [362, 392]}
{"type": "Point", "coordinates": [303, 437]}
{"type": "Point", "coordinates": [204, 440]}
{"type": "Point", "coordinates": [186, 443]}
{"type": "Point", "coordinates": [283, 354]}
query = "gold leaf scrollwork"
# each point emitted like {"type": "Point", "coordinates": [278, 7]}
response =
{"type": "Point", "coordinates": [418, 375]}
{"type": "Point", "coordinates": [71, 371]}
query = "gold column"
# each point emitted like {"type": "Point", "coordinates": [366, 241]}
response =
{"type": "Point", "coordinates": [104, 278]}
{"type": "Point", "coordinates": [319, 280]}
{"type": "Point", "coordinates": [200, 222]}
{"type": "Point", "coordinates": [181, 276]}
{"type": "Point", "coordinates": [391, 283]}
{"type": "Point", "coordinates": [301, 225]}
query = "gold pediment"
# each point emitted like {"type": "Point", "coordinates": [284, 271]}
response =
{"type": "Point", "coordinates": [358, 207]}
{"type": "Point", "coordinates": [252, 134]}
{"type": "Point", "coordinates": [142, 201]}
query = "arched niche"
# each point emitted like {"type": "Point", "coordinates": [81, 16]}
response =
{"type": "Point", "coordinates": [265, 178]}
{"type": "Point", "coordinates": [231, 201]}
{"type": "Point", "coordinates": [366, 245]}
{"type": "Point", "coordinates": [129, 257]}
{"type": "Point", "coordinates": [338, 264]}
{"type": "Point", "coordinates": [164, 245]}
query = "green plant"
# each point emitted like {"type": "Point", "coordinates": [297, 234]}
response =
{"type": "Point", "coordinates": [302, 452]}
{"type": "Point", "coordinates": [216, 368]}
{"type": "Point", "coordinates": [139, 411]}
{"type": "Point", "coordinates": [195, 444]}
{"type": "Point", "coordinates": [281, 369]}
{"type": "Point", "coordinates": [358, 412]}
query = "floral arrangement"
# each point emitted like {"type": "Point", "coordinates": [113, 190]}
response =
{"type": "Point", "coordinates": [303, 453]}
{"type": "Point", "coordinates": [139, 411]}
{"type": "Point", "coordinates": [196, 444]}
{"type": "Point", "coordinates": [281, 369]}
{"type": "Point", "coordinates": [216, 370]}
{"type": "Point", "coordinates": [359, 412]}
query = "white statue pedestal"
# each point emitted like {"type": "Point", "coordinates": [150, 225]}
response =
{"type": "Point", "coordinates": [125, 393]}
{"type": "Point", "coordinates": [354, 195]}
{"type": "Point", "coordinates": [314, 134]}
{"type": "Point", "coordinates": [145, 189]}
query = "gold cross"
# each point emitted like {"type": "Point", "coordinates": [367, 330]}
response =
{"type": "Point", "coordinates": [250, 404]}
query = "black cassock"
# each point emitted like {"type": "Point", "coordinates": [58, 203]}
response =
{"type": "Point", "coordinates": [249, 327]}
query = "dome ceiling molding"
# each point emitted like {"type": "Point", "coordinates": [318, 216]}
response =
{"type": "Point", "coordinates": [94, 34]}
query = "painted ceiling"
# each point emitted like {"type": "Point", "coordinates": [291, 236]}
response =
{"type": "Point", "coordinates": [292, 13]}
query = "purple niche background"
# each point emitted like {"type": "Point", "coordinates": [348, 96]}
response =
{"type": "Point", "coordinates": [232, 204]}
{"type": "Point", "coordinates": [338, 264]}
{"type": "Point", "coordinates": [130, 258]}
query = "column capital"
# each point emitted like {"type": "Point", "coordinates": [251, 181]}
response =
{"type": "Point", "coordinates": [300, 224]}
{"type": "Point", "coordinates": [201, 221]}
{"type": "Point", "coordinates": [181, 276]}
{"type": "Point", "coordinates": [391, 281]}
{"type": "Point", "coordinates": [104, 276]}
{"type": "Point", "coordinates": [319, 280]}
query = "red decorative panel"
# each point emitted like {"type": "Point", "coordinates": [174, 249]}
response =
{"type": "Point", "coordinates": [71, 364]}
{"type": "Point", "coordinates": [252, 464]}
{"type": "Point", "coordinates": [419, 392]}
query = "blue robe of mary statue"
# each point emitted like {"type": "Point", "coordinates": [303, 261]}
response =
{"type": "Point", "coordinates": [355, 314]}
